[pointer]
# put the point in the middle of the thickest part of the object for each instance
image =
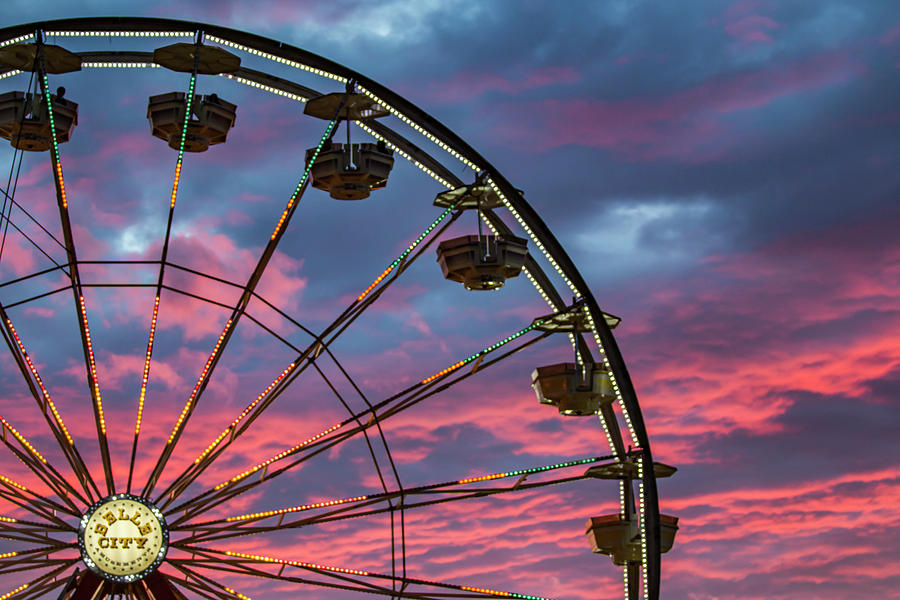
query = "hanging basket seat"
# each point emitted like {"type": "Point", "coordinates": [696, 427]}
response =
{"type": "Point", "coordinates": [482, 263]}
{"type": "Point", "coordinates": [25, 120]}
{"type": "Point", "coordinates": [351, 172]}
{"type": "Point", "coordinates": [620, 538]}
{"type": "Point", "coordinates": [562, 385]}
{"type": "Point", "coordinates": [211, 118]}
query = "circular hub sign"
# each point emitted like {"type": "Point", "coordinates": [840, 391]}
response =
{"type": "Point", "coordinates": [123, 538]}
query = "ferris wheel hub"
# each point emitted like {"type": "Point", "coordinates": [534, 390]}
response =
{"type": "Point", "coordinates": [123, 538]}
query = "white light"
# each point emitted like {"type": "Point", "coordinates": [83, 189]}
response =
{"type": "Point", "coordinates": [120, 33]}
{"type": "Point", "coordinates": [21, 38]}
{"type": "Point", "coordinates": [274, 58]}
{"type": "Point", "coordinates": [267, 88]}
{"type": "Point", "coordinates": [107, 65]}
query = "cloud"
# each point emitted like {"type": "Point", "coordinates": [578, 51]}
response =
{"type": "Point", "coordinates": [689, 125]}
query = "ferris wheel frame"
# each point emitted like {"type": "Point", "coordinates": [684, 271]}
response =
{"type": "Point", "coordinates": [541, 237]}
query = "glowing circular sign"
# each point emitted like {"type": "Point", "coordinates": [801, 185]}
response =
{"type": "Point", "coordinates": [123, 538]}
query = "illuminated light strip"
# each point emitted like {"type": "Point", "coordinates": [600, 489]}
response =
{"type": "Point", "coordinates": [146, 375]}
{"type": "Point", "coordinates": [485, 591]}
{"type": "Point", "coordinates": [278, 59]}
{"type": "Point", "coordinates": [65, 201]}
{"type": "Point", "coordinates": [56, 161]}
{"type": "Point", "coordinates": [9, 555]}
{"type": "Point", "coordinates": [190, 402]}
{"type": "Point", "coordinates": [297, 563]}
{"type": "Point", "coordinates": [21, 38]}
{"type": "Point", "coordinates": [40, 383]}
{"type": "Point", "coordinates": [644, 558]}
{"type": "Point", "coordinates": [306, 171]}
{"type": "Point", "coordinates": [562, 465]}
{"type": "Point", "coordinates": [246, 411]}
{"type": "Point", "coordinates": [279, 456]}
{"type": "Point", "coordinates": [238, 594]}
{"type": "Point", "coordinates": [15, 591]}
{"type": "Point", "coordinates": [262, 86]}
{"type": "Point", "coordinates": [9, 481]}
{"type": "Point", "coordinates": [8, 520]}
{"type": "Point", "coordinates": [420, 130]}
{"type": "Point", "coordinates": [282, 511]}
{"type": "Point", "coordinates": [184, 128]}
{"type": "Point", "coordinates": [487, 350]}
{"type": "Point", "coordinates": [120, 33]}
{"type": "Point", "coordinates": [452, 367]}
{"type": "Point", "coordinates": [408, 157]}
{"type": "Point", "coordinates": [10, 73]}
{"type": "Point", "coordinates": [175, 181]}
{"type": "Point", "coordinates": [93, 365]}
{"type": "Point", "coordinates": [124, 65]}
{"type": "Point", "coordinates": [405, 253]}
{"type": "Point", "coordinates": [326, 503]}
{"type": "Point", "coordinates": [22, 440]}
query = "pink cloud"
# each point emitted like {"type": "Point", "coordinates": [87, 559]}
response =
{"type": "Point", "coordinates": [40, 311]}
{"type": "Point", "coordinates": [687, 125]}
{"type": "Point", "coordinates": [742, 21]}
{"type": "Point", "coordinates": [752, 29]}
{"type": "Point", "coordinates": [890, 36]}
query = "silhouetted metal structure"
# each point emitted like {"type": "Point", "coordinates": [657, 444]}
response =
{"type": "Point", "coordinates": [124, 526]}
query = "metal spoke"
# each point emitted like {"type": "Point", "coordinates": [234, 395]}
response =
{"type": "Point", "coordinates": [306, 357]}
{"type": "Point", "coordinates": [44, 402]}
{"type": "Point", "coordinates": [15, 493]}
{"type": "Point", "coordinates": [189, 99]}
{"type": "Point", "coordinates": [240, 562]}
{"type": "Point", "coordinates": [75, 278]}
{"type": "Point", "coordinates": [9, 197]}
{"type": "Point", "coordinates": [363, 506]}
{"type": "Point", "coordinates": [39, 466]}
{"type": "Point", "coordinates": [37, 246]}
{"type": "Point", "coordinates": [240, 307]}
{"type": "Point", "coordinates": [340, 432]}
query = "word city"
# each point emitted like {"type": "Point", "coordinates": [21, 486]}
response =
{"type": "Point", "coordinates": [122, 542]}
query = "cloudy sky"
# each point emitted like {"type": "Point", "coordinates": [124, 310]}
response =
{"type": "Point", "coordinates": [725, 175]}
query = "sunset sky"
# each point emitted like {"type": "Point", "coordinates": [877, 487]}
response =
{"type": "Point", "coordinates": [726, 177]}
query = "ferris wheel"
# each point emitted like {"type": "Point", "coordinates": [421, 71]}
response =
{"type": "Point", "coordinates": [173, 505]}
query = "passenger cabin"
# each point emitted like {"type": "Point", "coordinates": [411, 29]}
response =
{"type": "Point", "coordinates": [564, 386]}
{"type": "Point", "coordinates": [25, 120]}
{"type": "Point", "coordinates": [211, 118]}
{"type": "Point", "coordinates": [620, 538]}
{"type": "Point", "coordinates": [350, 171]}
{"type": "Point", "coordinates": [482, 262]}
